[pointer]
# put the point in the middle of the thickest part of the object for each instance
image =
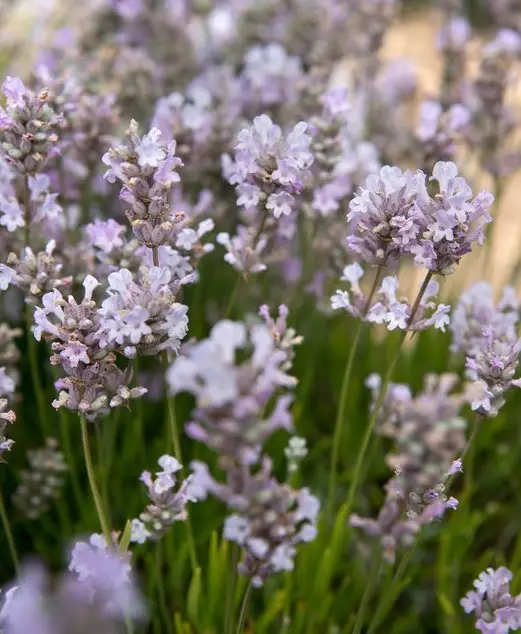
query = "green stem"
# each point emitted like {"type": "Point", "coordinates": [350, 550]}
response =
{"type": "Point", "coordinates": [233, 298]}
{"type": "Point", "coordinates": [369, 588]}
{"type": "Point", "coordinates": [9, 535]}
{"type": "Point", "coordinates": [69, 454]}
{"type": "Point", "coordinates": [41, 401]}
{"type": "Point", "coordinates": [470, 453]}
{"type": "Point", "coordinates": [244, 609]}
{"type": "Point", "coordinates": [92, 481]}
{"type": "Point", "coordinates": [381, 396]}
{"type": "Point", "coordinates": [340, 418]}
{"type": "Point", "coordinates": [102, 471]}
{"type": "Point", "coordinates": [174, 431]}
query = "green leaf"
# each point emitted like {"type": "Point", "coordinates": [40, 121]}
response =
{"type": "Point", "coordinates": [446, 605]}
{"type": "Point", "coordinates": [273, 609]}
{"type": "Point", "coordinates": [194, 594]}
{"type": "Point", "coordinates": [125, 538]}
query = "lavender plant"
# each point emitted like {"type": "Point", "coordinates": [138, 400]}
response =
{"type": "Point", "coordinates": [284, 157]}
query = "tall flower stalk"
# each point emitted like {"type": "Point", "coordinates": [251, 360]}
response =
{"type": "Point", "coordinates": [341, 411]}
{"type": "Point", "coordinates": [355, 480]}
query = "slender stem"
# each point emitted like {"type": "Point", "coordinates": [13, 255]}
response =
{"type": "Point", "coordinates": [41, 401]}
{"type": "Point", "coordinates": [140, 433]}
{"type": "Point", "coordinates": [92, 481]}
{"type": "Point", "coordinates": [244, 609]}
{"type": "Point", "coordinates": [260, 228]}
{"type": "Point", "coordinates": [27, 212]}
{"type": "Point", "coordinates": [235, 291]}
{"type": "Point", "coordinates": [369, 588]}
{"type": "Point", "coordinates": [381, 396]}
{"type": "Point", "coordinates": [470, 452]}
{"type": "Point", "coordinates": [340, 418]}
{"type": "Point", "coordinates": [172, 419]}
{"type": "Point", "coordinates": [174, 431]}
{"type": "Point", "coordinates": [65, 435]}
{"type": "Point", "coordinates": [233, 298]}
{"type": "Point", "coordinates": [102, 472]}
{"type": "Point", "coordinates": [9, 535]}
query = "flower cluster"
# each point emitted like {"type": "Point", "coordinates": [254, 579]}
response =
{"type": "Point", "coordinates": [486, 333]}
{"type": "Point", "coordinates": [9, 358]}
{"type": "Point", "coordinates": [452, 41]}
{"type": "Point", "coordinates": [28, 127]}
{"type": "Point", "coordinates": [497, 611]}
{"type": "Point", "coordinates": [270, 75]}
{"type": "Point", "coordinates": [42, 482]}
{"type": "Point", "coordinates": [35, 274]}
{"type": "Point", "coordinates": [438, 131]}
{"type": "Point", "coordinates": [92, 379]}
{"type": "Point", "coordinates": [476, 310]}
{"type": "Point", "coordinates": [167, 505]}
{"type": "Point", "coordinates": [384, 307]}
{"type": "Point", "coordinates": [97, 593]}
{"type": "Point", "coordinates": [140, 314]}
{"type": "Point", "coordinates": [7, 416]}
{"type": "Point", "coordinates": [147, 168]}
{"type": "Point", "coordinates": [394, 215]}
{"type": "Point", "coordinates": [492, 368]}
{"type": "Point", "coordinates": [269, 168]}
{"type": "Point", "coordinates": [105, 578]}
{"type": "Point", "coordinates": [493, 122]}
{"type": "Point", "coordinates": [232, 398]}
{"type": "Point", "coordinates": [428, 433]}
{"type": "Point", "coordinates": [269, 518]}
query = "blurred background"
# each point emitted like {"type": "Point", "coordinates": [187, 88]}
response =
{"type": "Point", "coordinates": [27, 27]}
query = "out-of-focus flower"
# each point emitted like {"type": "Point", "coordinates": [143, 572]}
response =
{"type": "Point", "coordinates": [167, 506]}
{"type": "Point", "coordinates": [42, 482]}
{"type": "Point", "coordinates": [497, 611]}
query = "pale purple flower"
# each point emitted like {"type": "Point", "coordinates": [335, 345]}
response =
{"type": "Point", "coordinates": [271, 164]}
{"type": "Point", "coordinates": [271, 76]}
{"type": "Point", "coordinates": [105, 576]}
{"type": "Point", "coordinates": [12, 214]}
{"type": "Point", "coordinates": [140, 312]}
{"type": "Point", "coordinates": [386, 307]}
{"type": "Point", "coordinates": [383, 216]}
{"type": "Point", "coordinates": [497, 611]}
{"type": "Point", "coordinates": [105, 235]}
{"type": "Point", "coordinates": [476, 310]}
{"type": "Point", "coordinates": [168, 501]}
{"type": "Point", "coordinates": [14, 90]}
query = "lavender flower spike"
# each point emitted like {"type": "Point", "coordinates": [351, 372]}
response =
{"type": "Point", "coordinates": [140, 313]}
{"type": "Point", "coordinates": [383, 216]}
{"type": "Point", "coordinates": [167, 505]}
{"type": "Point", "coordinates": [269, 167]}
{"type": "Point", "coordinates": [387, 308]}
{"type": "Point", "coordinates": [451, 222]}
{"type": "Point", "coordinates": [146, 166]}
